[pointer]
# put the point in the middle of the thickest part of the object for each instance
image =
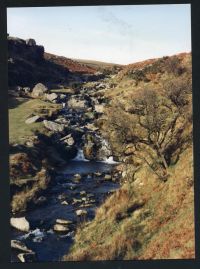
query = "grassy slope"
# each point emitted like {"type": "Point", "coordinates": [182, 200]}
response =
{"type": "Point", "coordinates": [20, 110]}
{"type": "Point", "coordinates": [96, 64]}
{"type": "Point", "coordinates": [146, 218]}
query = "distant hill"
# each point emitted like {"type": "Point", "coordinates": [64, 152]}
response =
{"type": "Point", "coordinates": [72, 65]}
{"type": "Point", "coordinates": [98, 65]}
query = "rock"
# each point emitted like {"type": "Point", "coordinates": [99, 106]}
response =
{"type": "Point", "coordinates": [53, 126]}
{"type": "Point", "coordinates": [70, 141]}
{"type": "Point", "coordinates": [20, 224]}
{"type": "Point", "coordinates": [99, 108]}
{"type": "Point", "coordinates": [92, 127]}
{"type": "Point", "coordinates": [20, 246]}
{"type": "Point", "coordinates": [60, 228]}
{"type": "Point", "coordinates": [62, 96]}
{"type": "Point", "coordinates": [39, 90]}
{"type": "Point", "coordinates": [81, 212]}
{"type": "Point", "coordinates": [77, 177]}
{"type": "Point", "coordinates": [76, 201]}
{"type": "Point", "coordinates": [26, 90]}
{"type": "Point", "coordinates": [76, 104]}
{"type": "Point", "coordinates": [89, 195]}
{"type": "Point", "coordinates": [32, 119]}
{"type": "Point", "coordinates": [27, 257]}
{"type": "Point", "coordinates": [31, 42]}
{"type": "Point", "coordinates": [41, 200]}
{"type": "Point", "coordinates": [50, 97]}
{"type": "Point", "coordinates": [98, 174]}
{"type": "Point", "coordinates": [108, 177]}
{"type": "Point", "coordinates": [63, 221]}
{"type": "Point", "coordinates": [64, 203]}
{"type": "Point", "coordinates": [83, 193]}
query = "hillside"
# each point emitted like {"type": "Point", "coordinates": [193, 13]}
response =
{"type": "Point", "coordinates": [101, 66]}
{"type": "Point", "coordinates": [152, 215]}
{"type": "Point", "coordinates": [73, 65]}
{"type": "Point", "coordinates": [28, 64]}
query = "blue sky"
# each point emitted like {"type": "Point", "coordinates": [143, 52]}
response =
{"type": "Point", "coordinates": [119, 34]}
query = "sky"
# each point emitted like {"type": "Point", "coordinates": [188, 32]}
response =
{"type": "Point", "coordinates": [117, 34]}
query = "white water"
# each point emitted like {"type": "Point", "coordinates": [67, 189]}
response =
{"type": "Point", "coordinates": [37, 234]}
{"type": "Point", "coordinates": [109, 160]}
{"type": "Point", "coordinates": [80, 156]}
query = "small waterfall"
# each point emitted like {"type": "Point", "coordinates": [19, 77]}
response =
{"type": "Point", "coordinates": [110, 160]}
{"type": "Point", "coordinates": [80, 156]}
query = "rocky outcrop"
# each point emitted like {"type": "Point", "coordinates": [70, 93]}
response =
{"type": "Point", "coordinates": [27, 65]}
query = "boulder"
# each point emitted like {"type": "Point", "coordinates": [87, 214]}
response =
{"type": "Point", "coordinates": [63, 221]}
{"type": "Point", "coordinates": [26, 90]}
{"type": "Point", "coordinates": [53, 126]}
{"type": "Point", "coordinates": [99, 108]}
{"type": "Point", "coordinates": [77, 176]}
{"type": "Point", "coordinates": [31, 42]}
{"type": "Point", "coordinates": [81, 212]}
{"type": "Point", "coordinates": [39, 90]}
{"type": "Point", "coordinates": [64, 203]}
{"type": "Point", "coordinates": [77, 104]}
{"type": "Point", "coordinates": [27, 257]}
{"type": "Point", "coordinates": [50, 97]}
{"type": "Point", "coordinates": [83, 193]}
{"type": "Point", "coordinates": [20, 246]}
{"type": "Point", "coordinates": [32, 119]}
{"type": "Point", "coordinates": [60, 228]}
{"type": "Point", "coordinates": [20, 224]}
{"type": "Point", "coordinates": [69, 141]}
{"type": "Point", "coordinates": [92, 127]}
{"type": "Point", "coordinates": [108, 177]}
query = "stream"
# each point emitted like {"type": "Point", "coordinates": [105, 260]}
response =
{"type": "Point", "coordinates": [80, 184]}
{"type": "Point", "coordinates": [48, 244]}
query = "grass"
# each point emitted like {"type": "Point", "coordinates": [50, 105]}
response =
{"type": "Point", "coordinates": [19, 110]}
{"type": "Point", "coordinates": [96, 64]}
{"type": "Point", "coordinates": [160, 224]}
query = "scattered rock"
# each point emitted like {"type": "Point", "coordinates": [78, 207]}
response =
{"type": "Point", "coordinates": [53, 126]}
{"type": "Point", "coordinates": [39, 90]}
{"type": "Point", "coordinates": [27, 257]}
{"type": "Point", "coordinates": [20, 224]}
{"type": "Point", "coordinates": [20, 246]}
{"type": "Point", "coordinates": [32, 119]}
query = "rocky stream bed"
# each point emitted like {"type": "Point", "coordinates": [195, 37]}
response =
{"type": "Point", "coordinates": [79, 186]}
